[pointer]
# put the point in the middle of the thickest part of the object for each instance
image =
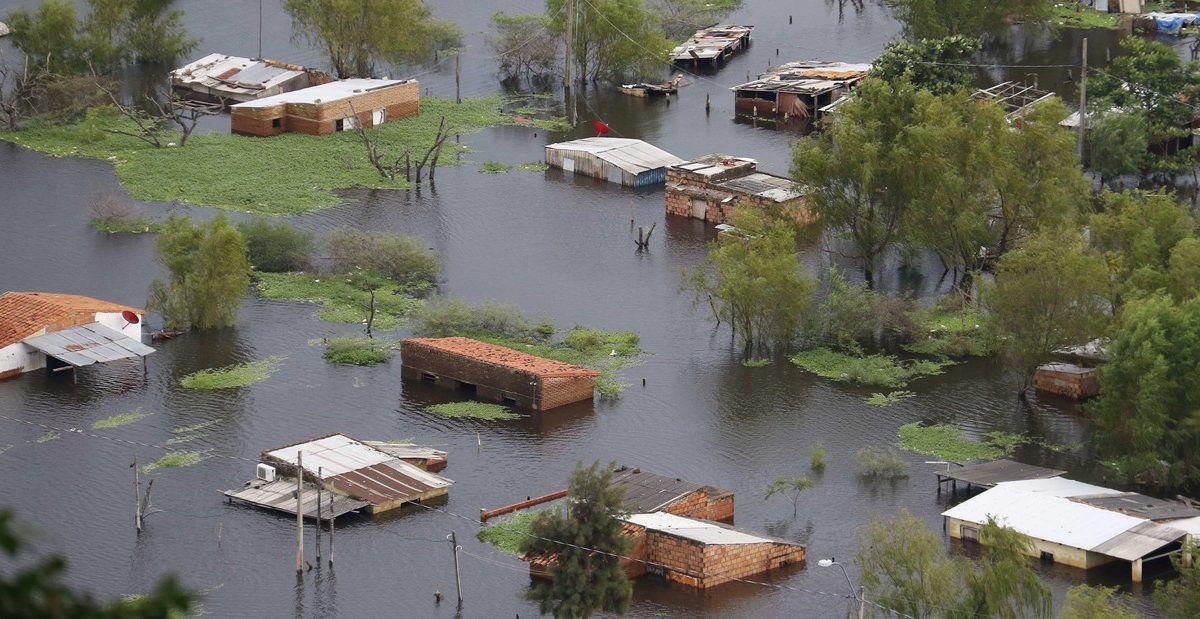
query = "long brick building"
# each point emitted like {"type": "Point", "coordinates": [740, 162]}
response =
{"type": "Point", "coordinates": [496, 373]}
{"type": "Point", "coordinates": [328, 108]}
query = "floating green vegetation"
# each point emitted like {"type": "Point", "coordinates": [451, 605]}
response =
{"type": "Point", "coordinates": [288, 173]}
{"type": "Point", "coordinates": [237, 375]}
{"type": "Point", "coordinates": [50, 435]}
{"type": "Point", "coordinates": [141, 604]}
{"type": "Point", "coordinates": [175, 459]}
{"type": "Point", "coordinates": [952, 333]}
{"type": "Point", "coordinates": [340, 301]}
{"type": "Point", "coordinates": [494, 167]}
{"type": "Point", "coordinates": [876, 463]}
{"type": "Point", "coordinates": [533, 166]}
{"type": "Point", "coordinates": [885, 399]}
{"type": "Point", "coordinates": [507, 534]}
{"type": "Point", "coordinates": [756, 363]}
{"type": "Point", "coordinates": [475, 410]}
{"type": "Point", "coordinates": [603, 351]}
{"type": "Point", "coordinates": [816, 457]}
{"type": "Point", "coordinates": [120, 419]}
{"type": "Point", "coordinates": [357, 350]}
{"type": "Point", "coordinates": [871, 370]}
{"type": "Point", "coordinates": [125, 225]}
{"type": "Point", "coordinates": [949, 443]}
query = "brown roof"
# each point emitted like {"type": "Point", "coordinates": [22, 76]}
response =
{"type": "Point", "coordinates": [500, 355]}
{"type": "Point", "coordinates": [23, 314]}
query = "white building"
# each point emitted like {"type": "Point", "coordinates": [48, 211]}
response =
{"type": "Point", "coordinates": [40, 329]}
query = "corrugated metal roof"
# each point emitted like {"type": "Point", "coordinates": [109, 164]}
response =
{"type": "Point", "coordinates": [233, 74]}
{"type": "Point", "coordinates": [646, 492]}
{"type": "Point", "coordinates": [1140, 505]}
{"type": "Point", "coordinates": [1139, 541]}
{"type": "Point", "coordinates": [633, 156]}
{"type": "Point", "coordinates": [88, 344]}
{"type": "Point", "coordinates": [280, 495]}
{"type": "Point", "coordinates": [988, 474]}
{"type": "Point", "coordinates": [333, 455]}
{"type": "Point", "coordinates": [1187, 525]}
{"type": "Point", "coordinates": [703, 531]}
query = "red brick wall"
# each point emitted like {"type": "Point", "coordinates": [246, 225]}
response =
{"type": "Point", "coordinates": [400, 101]}
{"type": "Point", "coordinates": [694, 564]}
{"type": "Point", "coordinates": [1076, 386]}
{"type": "Point", "coordinates": [566, 390]}
{"type": "Point", "coordinates": [716, 210]}
{"type": "Point", "coordinates": [492, 381]}
{"type": "Point", "coordinates": [702, 504]}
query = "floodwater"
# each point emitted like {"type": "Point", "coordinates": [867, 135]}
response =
{"type": "Point", "coordinates": [558, 246]}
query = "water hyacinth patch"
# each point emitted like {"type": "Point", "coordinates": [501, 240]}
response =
{"type": "Point", "coordinates": [237, 375]}
{"type": "Point", "coordinates": [474, 410]}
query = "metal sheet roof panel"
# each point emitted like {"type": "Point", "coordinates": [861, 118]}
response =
{"type": "Point", "coordinates": [1139, 541]}
{"type": "Point", "coordinates": [87, 344]}
{"type": "Point", "coordinates": [702, 531]}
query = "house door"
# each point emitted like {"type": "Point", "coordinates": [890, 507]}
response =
{"type": "Point", "coordinates": [699, 208]}
{"type": "Point", "coordinates": [378, 117]}
{"type": "Point", "coordinates": [348, 123]}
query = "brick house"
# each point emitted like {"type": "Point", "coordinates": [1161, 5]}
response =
{"type": "Point", "coordinates": [646, 492]}
{"type": "Point", "coordinates": [320, 110]}
{"type": "Point", "coordinates": [710, 187]}
{"type": "Point", "coordinates": [496, 373]}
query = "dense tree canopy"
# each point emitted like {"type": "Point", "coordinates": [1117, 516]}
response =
{"type": "Point", "coordinates": [209, 270]}
{"type": "Point", "coordinates": [937, 65]}
{"type": "Point", "coordinates": [1138, 232]}
{"type": "Point", "coordinates": [613, 39]}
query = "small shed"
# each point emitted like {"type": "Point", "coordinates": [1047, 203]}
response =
{"type": "Point", "coordinates": [327, 108]}
{"type": "Point", "coordinates": [496, 373]}
{"type": "Point", "coordinates": [711, 186]}
{"type": "Point", "coordinates": [712, 47]}
{"type": "Point", "coordinates": [1067, 379]}
{"type": "Point", "coordinates": [65, 331]}
{"type": "Point", "coordinates": [798, 89]}
{"type": "Point", "coordinates": [630, 162]}
{"type": "Point", "coordinates": [221, 77]}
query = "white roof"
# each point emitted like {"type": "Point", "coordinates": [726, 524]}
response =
{"type": "Point", "coordinates": [334, 455]}
{"type": "Point", "coordinates": [1057, 486]}
{"type": "Point", "coordinates": [698, 530]}
{"type": "Point", "coordinates": [324, 93]}
{"type": "Point", "coordinates": [1187, 525]}
{"type": "Point", "coordinates": [633, 156]}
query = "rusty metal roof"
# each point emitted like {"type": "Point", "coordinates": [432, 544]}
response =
{"type": "Point", "coordinates": [648, 492]}
{"type": "Point", "coordinates": [280, 495]}
{"type": "Point", "coordinates": [88, 344]}
{"type": "Point", "coordinates": [1140, 505]}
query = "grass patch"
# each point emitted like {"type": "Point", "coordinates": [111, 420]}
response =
{"type": "Point", "coordinates": [952, 333]}
{"type": "Point", "coordinates": [871, 370]}
{"type": "Point", "coordinates": [949, 443]}
{"type": "Point", "coordinates": [876, 463]}
{"type": "Point", "coordinates": [120, 419]}
{"type": "Point", "coordinates": [603, 351]}
{"type": "Point", "coordinates": [816, 457]}
{"type": "Point", "coordinates": [288, 173]}
{"type": "Point", "coordinates": [125, 225]}
{"type": "Point", "coordinates": [533, 166]}
{"type": "Point", "coordinates": [885, 399]}
{"type": "Point", "coordinates": [1071, 15]}
{"type": "Point", "coordinates": [507, 534]}
{"type": "Point", "coordinates": [196, 427]}
{"type": "Point", "coordinates": [339, 301]}
{"type": "Point", "coordinates": [756, 363]}
{"type": "Point", "coordinates": [474, 410]}
{"type": "Point", "coordinates": [50, 435]}
{"type": "Point", "coordinates": [494, 167]}
{"type": "Point", "coordinates": [237, 375]}
{"type": "Point", "coordinates": [357, 350]}
{"type": "Point", "coordinates": [175, 459]}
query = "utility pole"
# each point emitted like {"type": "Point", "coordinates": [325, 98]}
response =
{"type": "Point", "coordinates": [260, 29]}
{"type": "Point", "coordinates": [457, 576]}
{"type": "Point", "coordinates": [137, 497]}
{"type": "Point", "coordinates": [319, 525]}
{"type": "Point", "coordinates": [862, 603]}
{"type": "Point", "coordinates": [1082, 101]}
{"type": "Point", "coordinates": [299, 514]}
{"type": "Point", "coordinates": [457, 76]}
{"type": "Point", "coordinates": [568, 67]}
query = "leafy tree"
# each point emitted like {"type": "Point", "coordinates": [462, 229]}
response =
{"type": "Point", "coordinates": [1137, 232]}
{"type": "Point", "coordinates": [613, 39]}
{"type": "Point", "coordinates": [524, 46]}
{"type": "Point", "coordinates": [935, 19]}
{"type": "Point", "coordinates": [790, 486]}
{"type": "Point", "coordinates": [209, 271]}
{"type": "Point", "coordinates": [757, 284]}
{"type": "Point", "coordinates": [937, 65]}
{"type": "Point", "coordinates": [586, 574]}
{"type": "Point", "coordinates": [853, 317]}
{"type": "Point", "coordinates": [276, 247]}
{"type": "Point", "coordinates": [905, 565]}
{"type": "Point", "coordinates": [34, 590]}
{"type": "Point", "coordinates": [1117, 143]}
{"type": "Point", "coordinates": [401, 258]}
{"type": "Point", "coordinates": [1148, 412]}
{"type": "Point", "coordinates": [681, 18]}
{"type": "Point", "coordinates": [1084, 602]}
{"type": "Point", "coordinates": [1047, 294]}
{"type": "Point", "coordinates": [1180, 599]}
{"type": "Point", "coordinates": [356, 35]}
{"type": "Point", "coordinates": [1184, 269]}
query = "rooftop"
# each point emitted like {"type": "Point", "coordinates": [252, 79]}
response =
{"type": "Point", "coordinates": [503, 356]}
{"type": "Point", "coordinates": [23, 314]}
{"type": "Point", "coordinates": [88, 344]}
{"type": "Point", "coordinates": [807, 76]}
{"type": "Point", "coordinates": [649, 492]}
{"type": "Point", "coordinates": [1015, 98]}
{"type": "Point", "coordinates": [235, 74]}
{"type": "Point", "coordinates": [324, 93]}
{"type": "Point", "coordinates": [989, 474]}
{"type": "Point", "coordinates": [703, 531]}
{"type": "Point", "coordinates": [634, 156]}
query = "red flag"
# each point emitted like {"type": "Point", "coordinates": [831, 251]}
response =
{"type": "Point", "coordinates": [600, 126]}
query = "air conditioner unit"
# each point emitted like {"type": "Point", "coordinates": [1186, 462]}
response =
{"type": "Point", "coordinates": [265, 472]}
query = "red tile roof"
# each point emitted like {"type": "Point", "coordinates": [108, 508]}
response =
{"type": "Point", "coordinates": [23, 314]}
{"type": "Point", "coordinates": [500, 355]}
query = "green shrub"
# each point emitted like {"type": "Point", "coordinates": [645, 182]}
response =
{"type": "Point", "coordinates": [875, 463]}
{"type": "Point", "coordinates": [947, 330]}
{"type": "Point", "coordinates": [447, 317]}
{"type": "Point", "coordinates": [949, 443]}
{"type": "Point", "coordinates": [885, 399]}
{"type": "Point", "coordinates": [357, 350]}
{"type": "Point", "coordinates": [403, 259]}
{"type": "Point", "coordinates": [816, 458]}
{"type": "Point", "coordinates": [872, 370]}
{"type": "Point", "coordinates": [507, 535]}
{"type": "Point", "coordinates": [756, 363]}
{"type": "Point", "coordinates": [277, 247]}
{"type": "Point", "coordinates": [494, 167]}
{"type": "Point", "coordinates": [339, 299]}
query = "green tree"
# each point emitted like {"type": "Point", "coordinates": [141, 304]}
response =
{"type": "Point", "coordinates": [524, 46]}
{"type": "Point", "coordinates": [356, 35]}
{"type": "Point", "coordinates": [791, 487]}
{"type": "Point", "coordinates": [403, 259]}
{"type": "Point", "coordinates": [1048, 293]}
{"type": "Point", "coordinates": [937, 65]}
{"type": "Point", "coordinates": [1084, 602]}
{"type": "Point", "coordinates": [756, 283]}
{"type": "Point", "coordinates": [1147, 415]}
{"type": "Point", "coordinates": [1184, 269]}
{"type": "Point", "coordinates": [935, 19]}
{"type": "Point", "coordinates": [277, 247]}
{"type": "Point", "coordinates": [209, 272]}
{"type": "Point", "coordinates": [681, 18]}
{"type": "Point", "coordinates": [1117, 143]}
{"type": "Point", "coordinates": [586, 574]}
{"type": "Point", "coordinates": [1180, 599]}
{"type": "Point", "coordinates": [1137, 231]}
{"type": "Point", "coordinates": [34, 589]}
{"type": "Point", "coordinates": [613, 39]}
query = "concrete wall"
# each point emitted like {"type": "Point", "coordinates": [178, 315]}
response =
{"type": "Point", "coordinates": [1066, 555]}
{"type": "Point", "coordinates": [17, 358]}
{"type": "Point", "coordinates": [399, 101]}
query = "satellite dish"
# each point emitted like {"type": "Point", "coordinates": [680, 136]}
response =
{"type": "Point", "coordinates": [131, 317]}
{"type": "Point", "coordinates": [600, 126]}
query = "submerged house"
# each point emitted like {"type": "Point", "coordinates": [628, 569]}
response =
{"type": "Point", "coordinates": [1015, 98]}
{"type": "Point", "coordinates": [496, 373]}
{"type": "Point", "coordinates": [351, 475]}
{"type": "Point", "coordinates": [221, 77]}
{"type": "Point", "coordinates": [712, 47]}
{"type": "Point", "coordinates": [632, 163]}
{"type": "Point", "coordinates": [798, 89]}
{"type": "Point", "coordinates": [711, 186]}
{"type": "Point", "coordinates": [335, 106]}
{"type": "Point", "coordinates": [65, 331]}
{"type": "Point", "coordinates": [1079, 524]}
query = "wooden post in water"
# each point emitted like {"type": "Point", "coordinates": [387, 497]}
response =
{"type": "Point", "coordinates": [137, 497]}
{"type": "Point", "coordinates": [457, 575]}
{"type": "Point", "coordinates": [458, 77]}
{"type": "Point", "coordinates": [332, 519]}
{"type": "Point", "coordinates": [319, 525]}
{"type": "Point", "coordinates": [299, 514]}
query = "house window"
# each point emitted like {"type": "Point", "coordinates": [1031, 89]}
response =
{"type": "Point", "coordinates": [1047, 557]}
{"type": "Point", "coordinates": [968, 533]}
{"type": "Point", "coordinates": [508, 400]}
{"type": "Point", "coordinates": [467, 388]}
{"type": "Point", "coordinates": [276, 122]}
{"type": "Point", "coordinates": [338, 125]}
{"type": "Point", "coordinates": [428, 377]}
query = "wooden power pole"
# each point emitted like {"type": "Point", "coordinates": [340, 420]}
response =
{"type": "Point", "coordinates": [299, 514]}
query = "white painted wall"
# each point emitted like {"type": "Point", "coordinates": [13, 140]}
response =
{"type": "Point", "coordinates": [114, 321]}
{"type": "Point", "coordinates": [18, 355]}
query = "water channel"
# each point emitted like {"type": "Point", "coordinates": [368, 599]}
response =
{"type": "Point", "coordinates": [558, 246]}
